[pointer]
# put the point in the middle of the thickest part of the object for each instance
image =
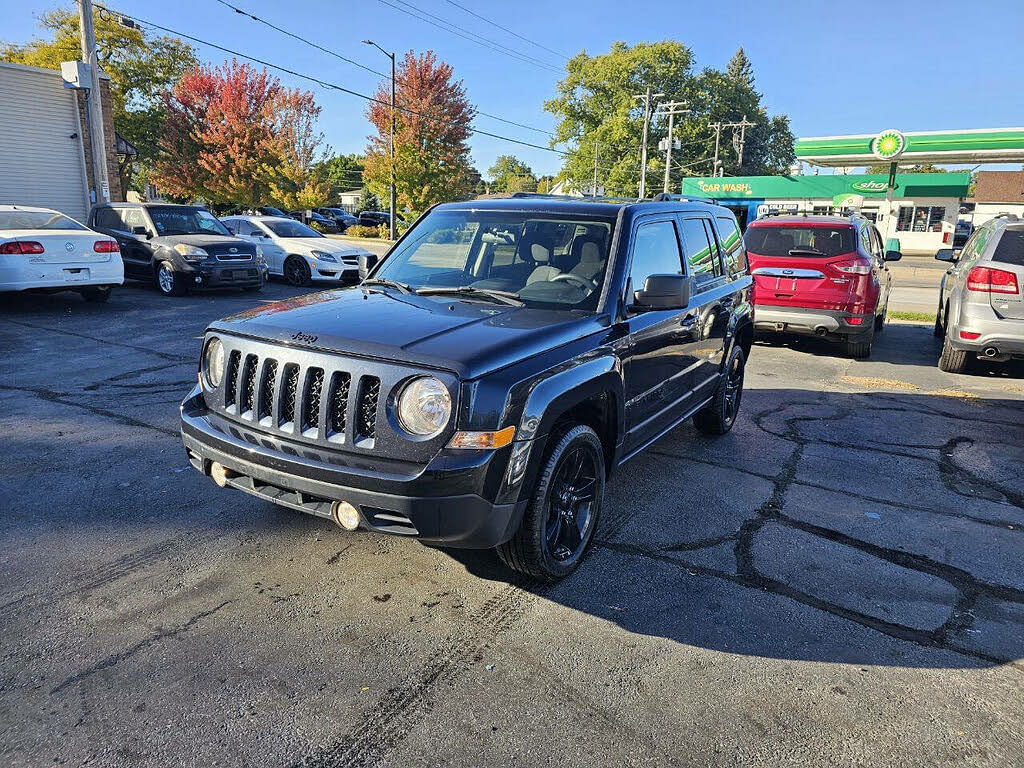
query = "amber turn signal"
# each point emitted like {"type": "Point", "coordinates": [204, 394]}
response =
{"type": "Point", "coordinates": [483, 440]}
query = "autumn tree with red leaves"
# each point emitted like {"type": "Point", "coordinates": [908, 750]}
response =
{"type": "Point", "coordinates": [434, 122]}
{"type": "Point", "coordinates": [234, 134]}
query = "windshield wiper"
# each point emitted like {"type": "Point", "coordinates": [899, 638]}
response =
{"type": "Point", "coordinates": [403, 287]}
{"type": "Point", "coordinates": [805, 252]}
{"type": "Point", "coordinates": [501, 297]}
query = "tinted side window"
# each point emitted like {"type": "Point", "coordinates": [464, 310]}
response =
{"type": "Point", "coordinates": [132, 217]}
{"type": "Point", "coordinates": [1010, 248]}
{"type": "Point", "coordinates": [106, 218]}
{"type": "Point", "coordinates": [701, 254]}
{"type": "Point", "coordinates": [732, 244]}
{"type": "Point", "coordinates": [231, 224]}
{"type": "Point", "coordinates": [655, 252]}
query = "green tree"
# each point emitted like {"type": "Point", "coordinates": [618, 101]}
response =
{"type": "Point", "coordinates": [141, 68]}
{"type": "Point", "coordinates": [919, 168]}
{"type": "Point", "coordinates": [434, 123]}
{"type": "Point", "coordinates": [368, 201]}
{"type": "Point", "coordinates": [510, 174]}
{"type": "Point", "coordinates": [597, 110]}
{"type": "Point", "coordinates": [343, 172]}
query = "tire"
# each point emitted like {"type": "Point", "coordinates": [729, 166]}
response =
{"type": "Point", "coordinates": [952, 360]}
{"type": "Point", "coordinates": [169, 282]}
{"type": "Point", "coordinates": [718, 416]}
{"type": "Point", "coordinates": [880, 320]}
{"type": "Point", "coordinates": [940, 326]}
{"type": "Point", "coordinates": [859, 347]}
{"type": "Point", "coordinates": [296, 271]}
{"type": "Point", "coordinates": [100, 294]}
{"type": "Point", "coordinates": [554, 534]}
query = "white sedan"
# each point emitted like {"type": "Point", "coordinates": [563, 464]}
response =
{"type": "Point", "coordinates": [295, 252]}
{"type": "Point", "coordinates": [44, 250]}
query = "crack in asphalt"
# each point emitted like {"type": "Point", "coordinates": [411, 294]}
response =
{"type": "Point", "coordinates": [117, 658]}
{"type": "Point", "coordinates": [968, 587]}
{"type": "Point", "coordinates": [97, 339]}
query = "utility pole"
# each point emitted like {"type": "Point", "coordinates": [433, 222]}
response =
{"type": "Point", "coordinates": [646, 99]}
{"type": "Point", "coordinates": [738, 144]}
{"type": "Point", "coordinates": [716, 170]}
{"type": "Point", "coordinates": [94, 105]}
{"type": "Point", "coordinates": [597, 146]}
{"type": "Point", "coordinates": [670, 108]}
{"type": "Point", "coordinates": [393, 229]}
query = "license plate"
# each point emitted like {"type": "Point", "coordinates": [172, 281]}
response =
{"type": "Point", "coordinates": [76, 275]}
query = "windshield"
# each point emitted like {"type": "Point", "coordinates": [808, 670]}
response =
{"type": "Point", "coordinates": [289, 228]}
{"type": "Point", "coordinates": [546, 260]}
{"type": "Point", "coordinates": [36, 220]}
{"type": "Point", "coordinates": [186, 221]}
{"type": "Point", "coordinates": [779, 241]}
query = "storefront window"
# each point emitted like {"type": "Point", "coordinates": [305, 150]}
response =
{"type": "Point", "coordinates": [921, 218]}
{"type": "Point", "coordinates": [823, 210]}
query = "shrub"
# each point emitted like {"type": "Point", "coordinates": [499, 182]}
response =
{"type": "Point", "coordinates": [357, 230]}
{"type": "Point", "coordinates": [319, 227]}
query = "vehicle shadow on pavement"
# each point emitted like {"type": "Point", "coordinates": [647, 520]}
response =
{"type": "Point", "coordinates": [904, 344]}
{"type": "Point", "coordinates": [807, 533]}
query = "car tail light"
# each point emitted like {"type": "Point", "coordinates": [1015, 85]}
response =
{"type": "Point", "coordinates": [853, 267]}
{"type": "Point", "coordinates": [969, 335]}
{"type": "Point", "coordinates": [988, 280]}
{"type": "Point", "coordinates": [22, 247]}
{"type": "Point", "coordinates": [105, 246]}
{"type": "Point", "coordinates": [855, 320]}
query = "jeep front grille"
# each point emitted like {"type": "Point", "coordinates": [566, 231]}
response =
{"type": "Point", "coordinates": [319, 398]}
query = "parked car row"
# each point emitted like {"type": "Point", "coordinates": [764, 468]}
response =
{"type": "Point", "coordinates": [176, 247]}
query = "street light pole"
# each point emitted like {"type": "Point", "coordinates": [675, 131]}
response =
{"type": "Point", "coordinates": [646, 98]}
{"type": "Point", "coordinates": [393, 229]}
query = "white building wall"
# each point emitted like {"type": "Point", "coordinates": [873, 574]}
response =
{"type": "Point", "coordinates": [985, 211]}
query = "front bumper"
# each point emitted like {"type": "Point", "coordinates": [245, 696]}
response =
{"type": "Point", "coordinates": [810, 322]}
{"type": "Point", "coordinates": [391, 498]}
{"type": "Point", "coordinates": [71, 277]}
{"type": "Point", "coordinates": [244, 274]}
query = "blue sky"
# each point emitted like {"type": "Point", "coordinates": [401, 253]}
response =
{"type": "Point", "coordinates": [912, 66]}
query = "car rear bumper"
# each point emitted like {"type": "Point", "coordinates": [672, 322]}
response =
{"type": "Point", "coordinates": [388, 501]}
{"type": "Point", "coordinates": [71, 277]}
{"type": "Point", "coordinates": [997, 336]}
{"type": "Point", "coordinates": [809, 321]}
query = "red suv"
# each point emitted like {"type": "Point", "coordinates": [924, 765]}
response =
{"type": "Point", "coordinates": [820, 275]}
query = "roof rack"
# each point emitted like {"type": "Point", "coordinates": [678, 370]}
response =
{"type": "Point", "coordinates": [662, 197]}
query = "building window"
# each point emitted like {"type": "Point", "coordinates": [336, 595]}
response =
{"type": "Point", "coordinates": [871, 216]}
{"type": "Point", "coordinates": [922, 218]}
{"type": "Point", "coordinates": [823, 210]}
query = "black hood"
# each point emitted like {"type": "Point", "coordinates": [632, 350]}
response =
{"type": "Point", "coordinates": [469, 338]}
{"type": "Point", "coordinates": [211, 243]}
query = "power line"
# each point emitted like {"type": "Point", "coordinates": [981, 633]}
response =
{"type": "Point", "coordinates": [446, 26]}
{"type": "Point", "coordinates": [319, 81]}
{"type": "Point", "coordinates": [506, 29]}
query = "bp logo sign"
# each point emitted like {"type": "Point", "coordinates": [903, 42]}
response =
{"type": "Point", "coordinates": [868, 187]}
{"type": "Point", "coordinates": [888, 145]}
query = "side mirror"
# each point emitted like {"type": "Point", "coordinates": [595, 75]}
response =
{"type": "Point", "coordinates": [663, 292]}
{"type": "Point", "coordinates": [947, 254]}
{"type": "Point", "coordinates": [139, 230]}
{"type": "Point", "coordinates": [367, 261]}
{"type": "Point", "coordinates": [893, 255]}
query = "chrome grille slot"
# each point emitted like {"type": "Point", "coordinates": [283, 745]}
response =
{"type": "Point", "coordinates": [231, 380]}
{"type": "Point", "coordinates": [266, 393]}
{"type": "Point", "coordinates": [248, 394]}
{"type": "Point", "coordinates": [311, 399]}
{"type": "Point", "coordinates": [338, 409]}
{"type": "Point", "coordinates": [366, 413]}
{"type": "Point", "coordinates": [289, 390]}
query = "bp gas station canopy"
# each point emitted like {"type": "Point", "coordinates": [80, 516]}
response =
{"type": "Point", "coordinates": [996, 145]}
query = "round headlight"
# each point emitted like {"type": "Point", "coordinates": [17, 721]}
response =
{"type": "Point", "coordinates": [213, 362]}
{"type": "Point", "coordinates": [424, 406]}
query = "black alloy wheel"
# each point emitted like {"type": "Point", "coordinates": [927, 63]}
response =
{"type": "Point", "coordinates": [559, 523]}
{"type": "Point", "coordinates": [296, 271]}
{"type": "Point", "coordinates": [718, 416]}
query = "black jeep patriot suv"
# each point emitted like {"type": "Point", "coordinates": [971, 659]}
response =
{"type": "Point", "coordinates": [478, 387]}
{"type": "Point", "coordinates": [179, 247]}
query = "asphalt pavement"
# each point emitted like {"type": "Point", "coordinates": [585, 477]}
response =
{"type": "Point", "coordinates": [837, 581]}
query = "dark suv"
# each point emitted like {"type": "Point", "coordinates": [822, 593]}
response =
{"type": "Point", "coordinates": [479, 386]}
{"type": "Point", "coordinates": [179, 247]}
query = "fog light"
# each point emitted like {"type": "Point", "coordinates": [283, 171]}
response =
{"type": "Point", "coordinates": [345, 515]}
{"type": "Point", "coordinates": [220, 474]}
{"type": "Point", "coordinates": [199, 279]}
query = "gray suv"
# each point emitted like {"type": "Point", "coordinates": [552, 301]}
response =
{"type": "Point", "coordinates": [981, 307]}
